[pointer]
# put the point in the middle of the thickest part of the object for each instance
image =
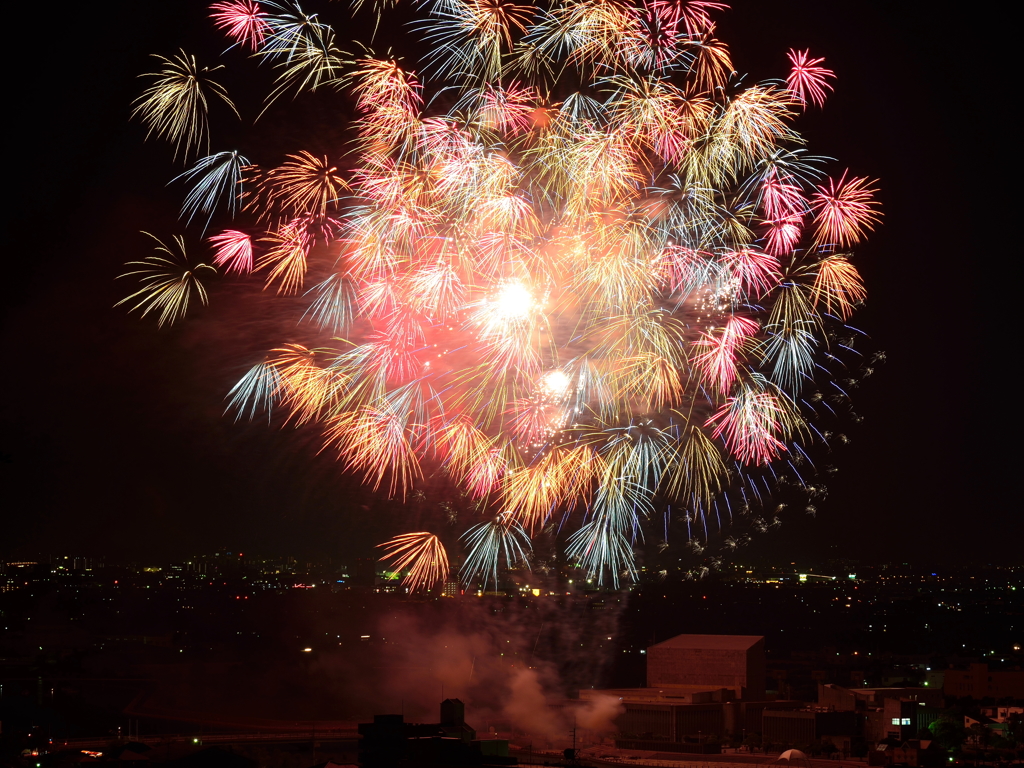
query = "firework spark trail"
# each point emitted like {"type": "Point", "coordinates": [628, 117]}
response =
{"type": "Point", "coordinates": [168, 282]}
{"type": "Point", "coordinates": [490, 543]}
{"type": "Point", "coordinates": [175, 106]}
{"type": "Point", "coordinates": [215, 177]}
{"type": "Point", "coordinates": [580, 268]}
{"type": "Point", "coordinates": [420, 554]}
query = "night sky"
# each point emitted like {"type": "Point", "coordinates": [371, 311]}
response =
{"type": "Point", "coordinates": [113, 438]}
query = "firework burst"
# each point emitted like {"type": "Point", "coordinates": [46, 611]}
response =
{"type": "Point", "coordinates": [420, 555]}
{"type": "Point", "coordinates": [575, 265]}
{"type": "Point", "coordinates": [175, 106]}
{"type": "Point", "coordinates": [169, 281]}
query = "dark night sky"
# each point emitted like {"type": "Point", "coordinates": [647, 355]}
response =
{"type": "Point", "coordinates": [113, 439]}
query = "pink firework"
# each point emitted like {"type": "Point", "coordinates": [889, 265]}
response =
{"type": "Point", "coordinates": [510, 109]}
{"type": "Point", "coordinates": [783, 235]}
{"type": "Point", "coordinates": [784, 205]}
{"type": "Point", "coordinates": [242, 20]}
{"type": "Point", "coordinates": [807, 80]}
{"type": "Point", "coordinates": [695, 15]}
{"type": "Point", "coordinates": [748, 423]}
{"type": "Point", "coordinates": [233, 251]}
{"type": "Point", "coordinates": [756, 273]}
{"type": "Point", "coordinates": [781, 198]}
{"type": "Point", "coordinates": [844, 211]}
{"type": "Point", "coordinates": [717, 362]}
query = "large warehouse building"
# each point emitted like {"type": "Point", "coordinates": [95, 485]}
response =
{"type": "Point", "coordinates": [699, 687]}
{"type": "Point", "coordinates": [719, 661]}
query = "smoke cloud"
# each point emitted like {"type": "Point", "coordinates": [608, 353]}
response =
{"type": "Point", "coordinates": [518, 667]}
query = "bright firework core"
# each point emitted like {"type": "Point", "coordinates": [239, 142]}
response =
{"type": "Point", "coordinates": [514, 300]}
{"type": "Point", "coordinates": [593, 281]}
{"type": "Point", "coordinates": [555, 383]}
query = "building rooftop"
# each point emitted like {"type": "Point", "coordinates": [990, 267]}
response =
{"type": "Point", "coordinates": [667, 694]}
{"type": "Point", "coordinates": [712, 642]}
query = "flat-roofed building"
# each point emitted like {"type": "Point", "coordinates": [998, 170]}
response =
{"type": "Point", "coordinates": [850, 699]}
{"type": "Point", "coordinates": [667, 716]}
{"type": "Point", "coordinates": [699, 689]}
{"type": "Point", "coordinates": [979, 682]}
{"type": "Point", "coordinates": [801, 728]}
{"type": "Point", "coordinates": [735, 662]}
